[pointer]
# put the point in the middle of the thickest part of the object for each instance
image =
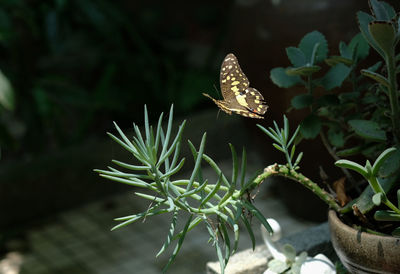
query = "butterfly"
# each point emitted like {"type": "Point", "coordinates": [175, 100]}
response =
{"type": "Point", "coordinates": [238, 96]}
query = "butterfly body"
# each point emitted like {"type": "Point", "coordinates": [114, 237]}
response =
{"type": "Point", "coordinates": [238, 96]}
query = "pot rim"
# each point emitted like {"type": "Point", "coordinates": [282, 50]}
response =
{"type": "Point", "coordinates": [333, 217]}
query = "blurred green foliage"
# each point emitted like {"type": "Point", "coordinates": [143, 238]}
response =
{"type": "Point", "coordinates": [75, 64]}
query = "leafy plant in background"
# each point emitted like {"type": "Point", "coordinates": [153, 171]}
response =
{"type": "Point", "coordinates": [361, 119]}
{"type": "Point", "coordinates": [349, 122]}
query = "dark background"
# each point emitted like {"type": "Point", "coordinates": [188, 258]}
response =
{"type": "Point", "coordinates": [76, 66]}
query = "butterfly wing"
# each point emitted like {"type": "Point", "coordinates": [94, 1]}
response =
{"type": "Point", "coordinates": [255, 101]}
{"type": "Point", "coordinates": [232, 79]}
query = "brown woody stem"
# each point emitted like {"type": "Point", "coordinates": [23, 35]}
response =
{"type": "Point", "coordinates": [284, 171]}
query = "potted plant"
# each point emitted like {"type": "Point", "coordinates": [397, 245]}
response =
{"type": "Point", "coordinates": [362, 119]}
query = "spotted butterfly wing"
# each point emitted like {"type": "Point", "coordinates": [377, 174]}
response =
{"type": "Point", "coordinates": [238, 96]}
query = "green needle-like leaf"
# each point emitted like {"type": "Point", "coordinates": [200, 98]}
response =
{"type": "Point", "coordinates": [250, 231]}
{"type": "Point", "coordinates": [170, 234]}
{"type": "Point", "coordinates": [216, 169]}
{"type": "Point", "coordinates": [285, 128]}
{"type": "Point", "coordinates": [214, 238]}
{"type": "Point", "coordinates": [121, 133]}
{"type": "Point", "coordinates": [213, 192]}
{"type": "Point", "coordinates": [269, 133]}
{"type": "Point", "coordinates": [138, 217]}
{"type": "Point", "coordinates": [281, 149]}
{"type": "Point", "coordinates": [168, 133]}
{"type": "Point", "coordinates": [195, 190]}
{"type": "Point", "coordinates": [298, 159]}
{"type": "Point", "coordinates": [158, 132]}
{"type": "Point", "coordinates": [235, 165]}
{"type": "Point", "coordinates": [147, 127]}
{"type": "Point", "coordinates": [293, 136]}
{"type": "Point", "coordinates": [253, 210]}
{"type": "Point", "coordinates": [131, 167]}
{"type": "Point", "coordinates": [198, 162]}
{"type": "Point", "coordinates": [243, 167]}
{"type": "Point", "coordinates": [179, 244]}
{"type": "Point", "coordinates": [131, 181]}
{"type": "Point", "coordinates": [165, 154]}
{"type": "Point", "coordinates": [129, 148]}
{"type": "Point", "coordinates": [174, 170]}
{"type": "Point", "coordinates": [227, 241]}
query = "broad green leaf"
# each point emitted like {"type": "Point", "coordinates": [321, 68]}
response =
{"type": "Point", "coordinates": [302, 71]}
{"type": "Point", "coordinates": [379, 11]}
{"type": "Point", "coordinates": [335, 76]}
{"type": "Point", "coordinates": [391, 165]}
{"type": "Point", "coordinates": [302, 101]}
{"type": "Point", "coordinates": [363, 20]}
{"type": "Point", "coordinates": [364, 202]}
{"type": "Point", "coordinates": [336, 137]}
{"type": "Point", "coordinates": [375, 76]}
{"type": "Point", "coordinates": [282, 80]}
{"type": "Point", "coordinates": [384, 35]}
{"type": "Point", "coordinates": [307, 46]}
{"type": "Point", "coordinates": [368, 130]}
{"type": "Point", "coordinates": [359, 47]}
{"type": "Point", "coordinates": [310, 127]}
{"type": "Point", "coordinates": [296, 56]}
{"type": "Point", "coordinates": [6, 93]}
{"type": "Point", "coordinates": [345, 51]}
{"type": "Point", "coordinates": [389, 10]}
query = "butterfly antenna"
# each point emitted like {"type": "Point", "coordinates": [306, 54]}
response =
{"type": "Point", "coordinates": [216, 90]}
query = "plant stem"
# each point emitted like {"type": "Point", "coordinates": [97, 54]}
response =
{"type": "Point", "coordinates": [284, 171]}
{"type": "Point", "coordinates": [336, 158]}
{"type": "Point", "coordinates": [393, 96]}
{"type": "Point", "coordinates": [392, 206]}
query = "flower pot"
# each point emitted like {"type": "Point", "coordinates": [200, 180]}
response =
{"type": "Point", "coordinates": [362, 252]}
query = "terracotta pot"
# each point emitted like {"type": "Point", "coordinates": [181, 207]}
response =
{"type": "Point", "coordinates": [362, 252]}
